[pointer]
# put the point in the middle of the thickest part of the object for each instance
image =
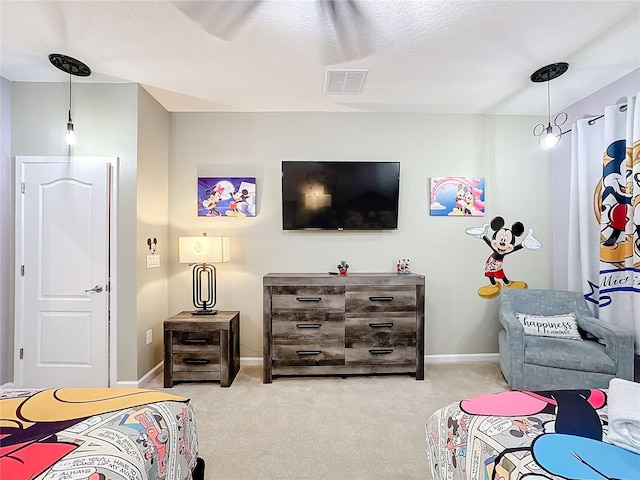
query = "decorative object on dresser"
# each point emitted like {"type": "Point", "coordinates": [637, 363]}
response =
{"type": "Point", "coordinates": [343, 266]}
{"type": "Point", "coordinates": [202, 252]}
{"type": "Point", "coordinates": [202, 348]}
{"type": "Point", "coordinates": [364, 323]}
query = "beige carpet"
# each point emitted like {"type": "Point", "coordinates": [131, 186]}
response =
{"type": "Point", "coordinates": [326, 428]}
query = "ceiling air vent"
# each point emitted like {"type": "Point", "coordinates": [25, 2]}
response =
{"type": "Point", "coordinates": [344, 81]}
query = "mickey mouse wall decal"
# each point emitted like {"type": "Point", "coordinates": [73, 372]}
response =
{"type": "Point", "coordinates": [153, 244]}
{"type": "Point", "coordinates": [502, 243]}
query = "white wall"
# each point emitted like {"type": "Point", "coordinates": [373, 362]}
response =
{"type": "Point", "coordinates": [616, 92]}
{"type": "Point", "coordinates": [105, 118]}
{"type": "Point", "coordinates": [499, 148]}
{"type": "Point", "coordinates": [6, 236]}
{"type": "Point", "coordinates": [152, 213]}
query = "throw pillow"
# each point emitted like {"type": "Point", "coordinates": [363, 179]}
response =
{"type": "Point", "coordinates": [559, 326]}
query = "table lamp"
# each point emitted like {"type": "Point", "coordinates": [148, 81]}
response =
{"type": "Point", "coordinates": [202, 252]}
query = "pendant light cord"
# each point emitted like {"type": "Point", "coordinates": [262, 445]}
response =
{"type": "Point", "coordinates": [69, 96]}
{"type": "Point", "coordinates": [548, 104]}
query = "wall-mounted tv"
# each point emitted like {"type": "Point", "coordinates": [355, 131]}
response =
{"type": "Point", "coordinates": [334, 195]}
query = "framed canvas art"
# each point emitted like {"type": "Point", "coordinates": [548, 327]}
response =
{"type": "Point", "coordinates": [226, 197]}
{"type": "Point", "coordinates": [457, 196]}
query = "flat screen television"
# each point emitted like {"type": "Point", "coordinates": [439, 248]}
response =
{"type": "Point", "coordinates": [333, 195]}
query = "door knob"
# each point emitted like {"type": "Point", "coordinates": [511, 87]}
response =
{"type": "Point", "coordinates": [97, 289]}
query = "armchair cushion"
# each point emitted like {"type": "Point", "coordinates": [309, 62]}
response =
{"type": "Point", "coordinates": [558, 326]}
{"type": "Point", "coordinates": [567, 354]}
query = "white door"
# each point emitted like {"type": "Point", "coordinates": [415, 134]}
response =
{"type": "Point", "coordinates": [62, 299]}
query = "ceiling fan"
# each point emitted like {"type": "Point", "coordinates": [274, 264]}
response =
{"type": "Point", "coordinates": [348, 36]}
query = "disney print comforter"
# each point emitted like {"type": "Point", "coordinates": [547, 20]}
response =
{"type": "Point", "coordinates": [557, 434]}
{"type": "Point", "coordinates": [96, 434]}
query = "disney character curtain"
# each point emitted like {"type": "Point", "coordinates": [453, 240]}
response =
{"type": "Point", "coordinates": [604, 215]}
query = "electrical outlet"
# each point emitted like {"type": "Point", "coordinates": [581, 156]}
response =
{"type": "Point", "coordinates": [149, 336]}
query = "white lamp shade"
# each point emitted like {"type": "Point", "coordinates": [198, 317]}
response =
{"type": "Point", "coordinates": [204, 249]}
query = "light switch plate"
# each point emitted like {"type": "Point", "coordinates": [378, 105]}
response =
{"type": "Point", "coordinates": [153, 261]}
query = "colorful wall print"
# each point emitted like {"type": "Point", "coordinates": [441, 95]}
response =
{"type": "Point", "coordinates": [226, 197]}
{"type": "Point", "coordinates": [457, 196]}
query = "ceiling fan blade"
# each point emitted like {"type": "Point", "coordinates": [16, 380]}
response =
{"type": "Point", "coordinates": [220, 19]}
{"type": "Point", "coordinates": [352, 30]}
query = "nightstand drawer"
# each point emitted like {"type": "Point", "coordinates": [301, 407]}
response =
{"type": "Point", "coordinates": [380, 299]}
{"type": "Point", "coordinates": [197, 361]}
{"type": "Point", "coordinates": [376, 325]}
{"type": "Point", "coordinates": [195, 339]}
{"type": "Point", "coordinates": [328, 353]}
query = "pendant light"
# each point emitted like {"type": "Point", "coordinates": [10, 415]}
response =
{"type": "Point", "coordinates": [550, 134]}
{"type": "Point", "coordinates": [72, 67]}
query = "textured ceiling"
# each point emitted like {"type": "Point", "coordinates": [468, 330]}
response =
{"type": "Point", "coordinates": [271, 55]}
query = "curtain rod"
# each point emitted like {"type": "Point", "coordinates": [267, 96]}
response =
{"type": "Point", "coordinates": [592, 121]}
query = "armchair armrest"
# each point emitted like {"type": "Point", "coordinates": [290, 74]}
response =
{"type": "Point", "coordinates": [619, 345]}
{"type": "Point", "coordinates": [515, 345]}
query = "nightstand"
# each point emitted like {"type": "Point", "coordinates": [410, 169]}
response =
{"type": "Point", "coordinates": [202, 348]}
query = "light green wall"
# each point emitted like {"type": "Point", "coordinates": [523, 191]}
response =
{"type": "Point", "coordinates": [153, 146]}
{"type": "Point", "coordinates": [499, 148]}
{"type": "Point", "coordinates": [7, 233]}
{"type": "Point", "coordinates": [106, 119]}
{"type": "Point", "coordinates": [152, 214]}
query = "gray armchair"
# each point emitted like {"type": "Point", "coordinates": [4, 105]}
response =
{"type": "Point", "coordinates": [543, 363]}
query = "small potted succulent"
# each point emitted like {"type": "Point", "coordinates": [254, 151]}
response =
{"type": "Point", "coordinates": [343, 267]}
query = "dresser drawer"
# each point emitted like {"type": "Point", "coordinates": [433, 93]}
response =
{"type": "Point", "coordinates": [186, 340]}
{"type": "Point", "coordinates": [325, 353]}
{"type": "Point", "coordinates": [307, 326]}
{"type": "Point", "coordinates": [380, 325]}
{"type": "Point", "coordinates": [360, 352]}
{"type": "Point", "coordinates": [199, 361]}
{"type": "Point", "coordinates": [308, 302]}
{"type": "Point", "coordinates": [380, 299]}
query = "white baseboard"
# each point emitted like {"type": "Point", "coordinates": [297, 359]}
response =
{"type": "Point", "coordinates": [7, 386]}
{"type": "Point", "coordinates": [463, 358]}
{"type": "Point", "coordinates": [249, 361]}
{"type": "Point", "coordinates": [143, 381]}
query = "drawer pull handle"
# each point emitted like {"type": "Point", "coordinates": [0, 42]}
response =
{"type": "Point", "coordinates": [308, 352]}
{"type": "Point", "coordinates": [308, 325]}
{"type": "Point", "coordinates": [381, 299]}
{"type": "Point", "coordinates": [308, 299]}
{"type": "Point", "coordinates": [381, 325]}
{"type": "Point", "coordinates": [380, 351]}
{"type": "Point", "coordinates": [194, 341]}
{"type": "Point", "coordinates": [195, 361]}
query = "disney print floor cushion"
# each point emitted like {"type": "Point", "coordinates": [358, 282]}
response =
{"type": "Point", "coordinates": [96, 434]}
{"type": "Point", "coordinates": [557, 434]}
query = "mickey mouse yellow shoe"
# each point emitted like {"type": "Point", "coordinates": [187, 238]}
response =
{"type": "Point", "coordinates": [516, 284]}
{"type": "Point", "coordinates": [489, 291]}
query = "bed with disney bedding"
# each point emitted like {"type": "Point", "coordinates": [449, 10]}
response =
{"type": "Point", "coordinates": [510, 435]}
{"type": "Point", "coordinates": [97, 434]}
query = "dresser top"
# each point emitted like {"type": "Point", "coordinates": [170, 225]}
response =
{"type": "Point", "coordinates": [281, 279]}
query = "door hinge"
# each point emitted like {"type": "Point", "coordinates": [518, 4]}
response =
{"type": "Point", "coordinates": [22, 187]}
{"type": "Point", "coordinates": [22, 270]}
{"type": "Point", "coordinates": [21, 353]}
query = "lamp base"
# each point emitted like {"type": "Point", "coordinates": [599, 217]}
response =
{"type": "Point", "coordinates": [204, 312]}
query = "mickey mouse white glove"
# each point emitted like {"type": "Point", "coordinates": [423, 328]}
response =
{"type": "Point", "coordinates": [531, 242]}
{"type": "Point", "coordinates": [477, 232]}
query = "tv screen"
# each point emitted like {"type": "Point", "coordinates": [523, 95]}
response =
{"type": "Point", "coordinates": [340, 195]}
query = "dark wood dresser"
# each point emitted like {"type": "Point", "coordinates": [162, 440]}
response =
{"type": "Point", "coordinates": [364, 323]}
{"type": "Point", "coordinates": [199, 347]}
